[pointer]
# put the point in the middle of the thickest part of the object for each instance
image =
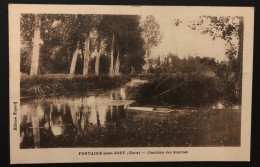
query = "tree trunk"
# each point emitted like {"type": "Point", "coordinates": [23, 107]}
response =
{"type": "Point", "coordinates": [126, 64]}
{"type": "Point", "coordinates": [98, 57]}
{"type": "Point", "coordinates": [111, 69]}
{"type": "Point", "coordinates": [36, 46]}
{"type": "Point", "coordinates": [74, 60]}
{"type": "Point", "coordinates": [86, 56]}
{"type": "Point", "coordinates": [97, 63]}
{"type": "Point", "coordinates": [68, 60]}
{"type": "Point", "coordinates": [117, 65]}
{"type": "Point", "coordinates": [146, 62]}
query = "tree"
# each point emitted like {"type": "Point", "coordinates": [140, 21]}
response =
{"type": "Point", "coordinates": [37, 41]}
{"type": "Point", "coordinates": [230, 29]}
{"type": "Point", "coordinates": [74, 60]}
{"type": "Point", "coordinates": [151, 35]}
{"type": "Point", "coordinates": [107, 30]}
{"type": "Point", "coordinates": [27, 31]}
{"type": "Point", "coordinates": [99, 49]}
{"type": "Point", "coordinates": [59, 38]}
{"type": "Point", "coordinates": [60, 41]}
{"type": "Point", "coordinates": [83, 27]}
{"type": "Point", "coordinates": [86, 56]}
{"type": "Point", "coordinates": [90, 24]}
{"type": "Point", "coordinates": [122, 36]}
{"type": "Point", "coordinates": [111, 68]}
{"type": "Point", "coordinates": [131, 44]}
{"type": "Point", "coordinates": [70, 42]}
{"type": "Point", "coordinates": [117, 65]}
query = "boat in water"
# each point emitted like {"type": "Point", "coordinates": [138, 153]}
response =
{"type": "Point", "coordinates": [158, 109]}
{"type": "Point", "coordinates": [148, 109]}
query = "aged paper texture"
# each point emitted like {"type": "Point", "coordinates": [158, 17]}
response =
{"type": "Point", "coordinates": [96, 83]}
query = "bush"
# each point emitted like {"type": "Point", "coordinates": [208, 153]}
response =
{"type": "Point", "coordinates": [184, 90]}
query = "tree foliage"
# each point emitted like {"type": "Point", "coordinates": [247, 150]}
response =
{"type": "Point", "coordinates": [61, 33]}
{"type": "Point", "coordinates": [230, 29]}
{"type": "Point", "coordinates": [151, 32]}
{"type": "Point", "coordinates": [224, 27]}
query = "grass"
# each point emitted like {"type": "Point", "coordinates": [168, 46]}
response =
{"type": "Point", "coordinates": [60, 84]}
{"type": "Point", "coordinates": [148, 76]}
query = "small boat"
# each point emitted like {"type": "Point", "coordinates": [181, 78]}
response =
{"type": "Point", "coordinates": [147, 109]}
{"type": "Point", "coordinates": [159, 109]}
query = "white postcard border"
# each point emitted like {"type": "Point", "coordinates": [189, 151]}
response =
{"type": "Point", "coordinates": [64, 155]}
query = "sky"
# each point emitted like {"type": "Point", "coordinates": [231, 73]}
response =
{"type": "Point", "coordinates": [184, 41]}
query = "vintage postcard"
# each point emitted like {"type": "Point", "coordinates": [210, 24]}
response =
{"type": "Point", "coordinates": [100, 83]}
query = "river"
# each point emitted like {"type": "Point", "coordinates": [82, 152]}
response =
{"type": "Point", "coordinates": [99, 120]}
{"type": "Point", "coordinates": [55, 115]}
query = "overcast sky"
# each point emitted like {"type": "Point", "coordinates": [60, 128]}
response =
{"type": "Point", "coordinates": [183, 41]}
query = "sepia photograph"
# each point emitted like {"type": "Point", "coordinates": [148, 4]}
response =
{"type": "Point", "coordinates": [136, 80]}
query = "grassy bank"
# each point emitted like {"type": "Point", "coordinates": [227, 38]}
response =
{"type": "Point", "coordinates": [60, 84]}
{"type": "Point", "coordinates": [143, 76]}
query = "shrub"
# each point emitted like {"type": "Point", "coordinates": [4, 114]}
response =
{"type": "Point", "coordinates": [185, 90]}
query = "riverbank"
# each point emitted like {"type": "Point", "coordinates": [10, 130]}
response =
{"type": "Point", "coordinates": [61, 84]}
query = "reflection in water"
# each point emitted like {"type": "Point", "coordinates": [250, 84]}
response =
{"type": "Point", "coordinates": [99, 120]}
{"type": "Point", "coordinates": [53, 118]}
